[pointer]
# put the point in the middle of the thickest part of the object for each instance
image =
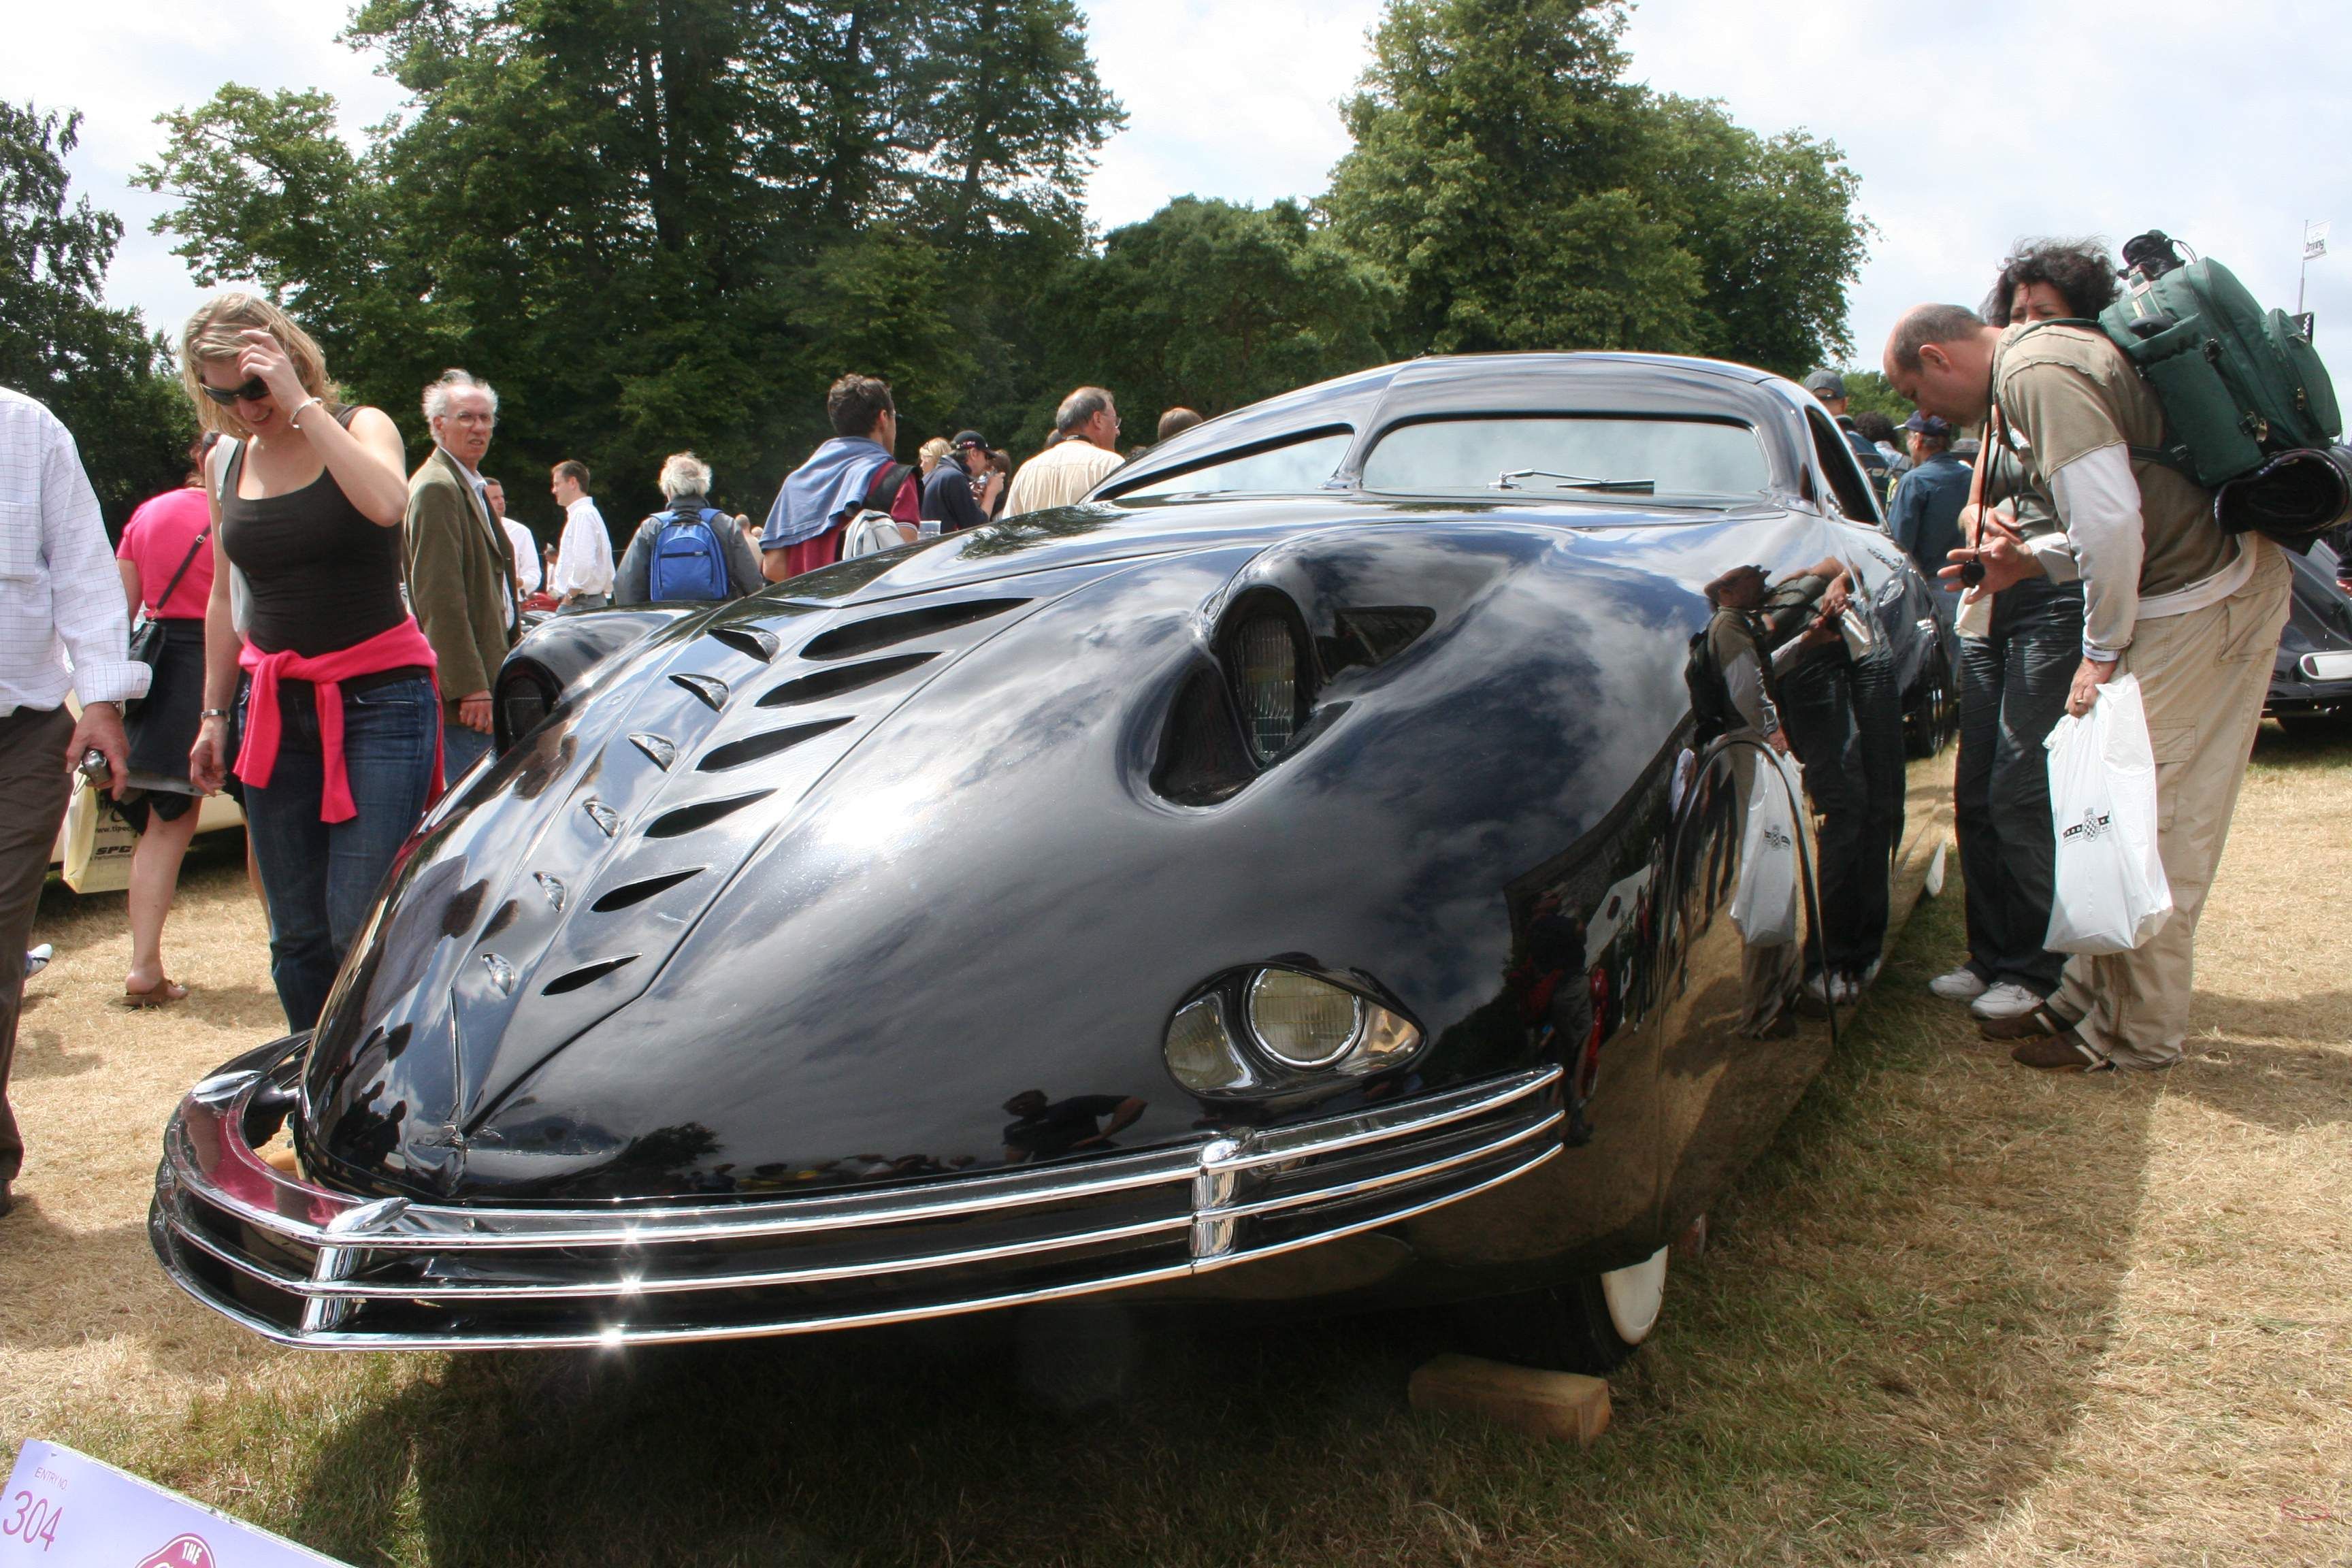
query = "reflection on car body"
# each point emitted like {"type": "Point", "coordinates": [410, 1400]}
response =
{"type": "Point", "coordinates": [1248, 885]}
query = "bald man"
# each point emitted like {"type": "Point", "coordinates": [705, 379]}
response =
{"type": "Point", "coordinates": [2166, 597]}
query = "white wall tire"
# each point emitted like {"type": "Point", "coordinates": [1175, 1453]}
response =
{"type": "Point", "coordinates": [1633, 1295]}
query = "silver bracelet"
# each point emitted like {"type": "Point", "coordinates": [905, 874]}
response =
{"type": "Point", "coordinates": [295, 418]}
{"type": "Point", "coordinates": [213, 713]}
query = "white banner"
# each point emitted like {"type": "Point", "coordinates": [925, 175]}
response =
{"type": "Point", "coordinates": [2315, 241]}
{"type": "Point", "coordinates": [64, 1510]}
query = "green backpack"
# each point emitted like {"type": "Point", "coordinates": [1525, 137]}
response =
{"type": "Point", "coordinates": [2239, 386]}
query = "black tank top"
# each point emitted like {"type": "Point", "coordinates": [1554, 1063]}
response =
{"type": "Point", "coordinates": [321, 575]}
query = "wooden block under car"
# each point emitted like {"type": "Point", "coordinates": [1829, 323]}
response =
{"type": "Point", "coordinates": [1561, 1405]}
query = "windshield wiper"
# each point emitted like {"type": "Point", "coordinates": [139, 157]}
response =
{"type": "Point", "coordinates": [1574, 481]}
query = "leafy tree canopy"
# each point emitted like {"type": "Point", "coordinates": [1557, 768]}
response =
{"type": "Point", "coordinates": [98, 369]}
{"type": "Point", "coordinates": [1215, 305]}
{"type": "Point", "coordinates": [672, 224]}
{"type": "Point", "coordinates": [667, 226]}
{"type": "Point", "coordinates": [1869, 391]}
{"type": "Point", "coordinates": [1521, 194]}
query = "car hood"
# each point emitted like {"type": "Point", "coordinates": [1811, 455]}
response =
{"type": "Point", "coordinates": [804, 888]}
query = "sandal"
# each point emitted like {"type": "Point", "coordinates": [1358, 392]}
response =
{"type": "Point", "coordinates": [163, 994]}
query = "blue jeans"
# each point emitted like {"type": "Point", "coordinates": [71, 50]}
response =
{"type": "Point", "coordinates": [2013, 686]}
{"type": "Point", "coordinates": [320, 879]}
{"type": "Point", "coordinates": [461, 748]}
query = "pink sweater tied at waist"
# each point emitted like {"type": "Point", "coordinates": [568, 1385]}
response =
{"type": "Point", "coordinates": [403, 645]}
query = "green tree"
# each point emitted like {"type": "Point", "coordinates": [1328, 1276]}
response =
{"type": "Point", "coordinates": [1772, 225]}
{"type": "Point", "coordinates": [1869, 391]}
{"type": "Point", "coordinates": [1521, 194]}
{"type": "Point", "coordinates": [98, 369]}
{"type": "Point", "coordinates": [1213, 305]}
{"type": "Point", "coordinates": [669, 225]}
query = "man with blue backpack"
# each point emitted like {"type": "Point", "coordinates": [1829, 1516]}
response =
{"type": "Point", "coordinates": [690, 551]}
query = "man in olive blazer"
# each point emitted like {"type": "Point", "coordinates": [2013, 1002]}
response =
{"type": "Point", "coordinates": [461, 567]}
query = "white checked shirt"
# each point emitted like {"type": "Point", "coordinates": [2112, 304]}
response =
{"type": "Point", "coordinates": [584, 557]}
{"type": "Point", "coordinates": [59, 594]}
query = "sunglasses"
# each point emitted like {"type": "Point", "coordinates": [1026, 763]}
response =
{"type": "Point", "coordinates": [253, 391]}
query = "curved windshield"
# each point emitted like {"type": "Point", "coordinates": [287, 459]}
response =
{"type": "Point", "coordinates": [1586, 455]}
{"type": "Point", "coordinates": [1293, 469]}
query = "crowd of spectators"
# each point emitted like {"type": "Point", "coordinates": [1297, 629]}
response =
{"type": "Point", "coordinates": [322, 629]}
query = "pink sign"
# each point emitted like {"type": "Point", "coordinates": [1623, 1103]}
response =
{"type": "Point", "coordinates": [64, 1510]}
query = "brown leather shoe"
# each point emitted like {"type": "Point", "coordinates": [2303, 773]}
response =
{"type": "Point", "coordinates": [2064, 1052]}
{"type": "Point", "coordinates": [2038, 1024]}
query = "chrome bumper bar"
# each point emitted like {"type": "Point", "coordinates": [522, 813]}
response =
{"type": "Point", "coordinates": [306, 1265]}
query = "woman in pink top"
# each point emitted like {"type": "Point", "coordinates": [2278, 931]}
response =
{"type": "Point", "coordinates": [167, 563]}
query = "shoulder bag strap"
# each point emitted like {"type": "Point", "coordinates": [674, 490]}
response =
{"type": "Point", "coordinates": [185, 562]}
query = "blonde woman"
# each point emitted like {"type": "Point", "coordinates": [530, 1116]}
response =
{"type": "Point", "coordinates": [927, 456]}
{"type": "Point", "coordinates": [329, 679]}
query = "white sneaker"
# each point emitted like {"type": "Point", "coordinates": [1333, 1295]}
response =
{"type": "Point", "coordinates": [1962, 985]}
{"type": "Point", "coordinates": [37, 959]}
{"type": "Point", "coordinates": [2005, 1001]}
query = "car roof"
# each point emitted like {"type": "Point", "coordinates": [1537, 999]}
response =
{"type": "Point", "coordinates": [1368, 403]}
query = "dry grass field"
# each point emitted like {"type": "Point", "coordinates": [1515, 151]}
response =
{"type": "Point", "coordinates": [1960, 1314]}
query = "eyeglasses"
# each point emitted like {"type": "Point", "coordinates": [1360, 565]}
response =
{"type": "Point", "coordinates": [253, 391]}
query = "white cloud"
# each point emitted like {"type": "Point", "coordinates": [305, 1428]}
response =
{"type": "Point", "coordinates": [2011, 118]}
{"type": "Point", "coordinates": [127, 61]}
{"type": "Point", "coordinates": [1223, 98]}
{"type": "Point", "coordinates": [1968, 130]}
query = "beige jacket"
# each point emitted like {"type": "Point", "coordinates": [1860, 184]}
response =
{"type": "Point", "coordinates": [1059, 476]}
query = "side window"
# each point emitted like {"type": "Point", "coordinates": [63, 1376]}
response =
{"type": "Point", "coordinates": [1295, 467]}
{"type": "Point", "coordinates": [1851, 492]}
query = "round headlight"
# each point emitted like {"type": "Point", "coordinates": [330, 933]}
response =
{"type": "Point", "coordinates": [1200, 1052]}
{"type": "Point", "coordinates": [1301, 1021]}
{"type": "Point", "coordinates": [1267, 658]}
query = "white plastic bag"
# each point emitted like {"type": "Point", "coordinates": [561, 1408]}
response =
{"type": "Point", "coordinates": [97, 844]}
{"type": "Point", "coordinates": [2109, 893]}
{"type": "Point", "coordinates": [1764, 904]}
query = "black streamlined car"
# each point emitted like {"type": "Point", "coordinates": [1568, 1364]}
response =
{"type": "Point", "coordinates": [2311, 679]}
{"type": "Point", "coordinates": [1291, 876]}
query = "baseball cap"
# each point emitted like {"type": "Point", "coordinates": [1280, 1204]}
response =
{"type": "Point", "coordinates": [969, 439]}
{"type": "Point", "coordinates": [1825, 383]}
{"type": "Point", "coordinates": [1928, 425]}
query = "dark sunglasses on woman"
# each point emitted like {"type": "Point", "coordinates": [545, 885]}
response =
{"type": "Point", "coordinates": [253, 391]}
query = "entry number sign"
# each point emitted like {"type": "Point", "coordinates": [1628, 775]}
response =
{"type": "Point", "coordinates": [64, 1510]}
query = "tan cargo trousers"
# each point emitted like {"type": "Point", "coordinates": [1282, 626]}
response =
{"type": "Point", "coordinates": [2203, 677]}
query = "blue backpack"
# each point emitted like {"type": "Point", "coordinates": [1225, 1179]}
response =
{"type": "Point", "coordinates": [687, 562]}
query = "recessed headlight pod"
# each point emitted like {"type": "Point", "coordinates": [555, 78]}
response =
{"type": "Point", "coordinates": [1271, 665]}
{"type": "Point", "coordinates": [1274, 1030]}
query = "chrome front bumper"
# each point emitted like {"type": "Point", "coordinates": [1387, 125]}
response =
{"type": "Point", "coordinates": [305, 1265]}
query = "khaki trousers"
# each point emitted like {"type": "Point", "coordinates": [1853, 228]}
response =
{"type": "Point", "coordinates": [33, 788]}
{"type": "Point", "coordinates": [2203, 677]}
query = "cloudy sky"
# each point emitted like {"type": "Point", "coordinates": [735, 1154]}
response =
{"type": "Point", "coordinates": [2102, 117]}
